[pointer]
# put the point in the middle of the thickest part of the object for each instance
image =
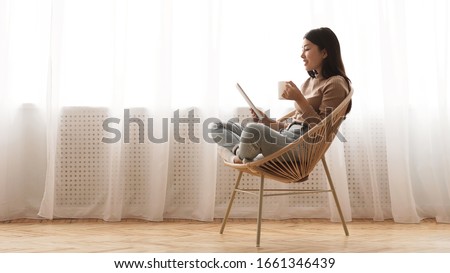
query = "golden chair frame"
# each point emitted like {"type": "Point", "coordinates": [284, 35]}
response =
{"type": "Point", "coordinates": [293, 164]}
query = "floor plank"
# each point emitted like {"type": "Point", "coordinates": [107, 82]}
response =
{"type": "Point", "coordinates": [185, 236]}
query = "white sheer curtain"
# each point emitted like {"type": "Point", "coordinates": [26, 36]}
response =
{"type": "Point", "coordinates": [417, 108]}
{"type": "Point", "coordinates": [67, 66]}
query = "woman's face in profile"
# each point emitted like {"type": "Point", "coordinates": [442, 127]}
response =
{"type": "Point", "coordinates": [312, 56]}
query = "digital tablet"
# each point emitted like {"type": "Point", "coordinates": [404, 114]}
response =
{"type": "Point", "coordinates": [249, 102]}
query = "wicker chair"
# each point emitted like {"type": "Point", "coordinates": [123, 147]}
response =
{"type": "Point", "coordinates": [293, 164]}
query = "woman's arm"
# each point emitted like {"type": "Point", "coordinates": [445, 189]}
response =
{"type": "Point", "coordinates": [334, 92]}
{"type": "Point", "coordinates": [292, 92]}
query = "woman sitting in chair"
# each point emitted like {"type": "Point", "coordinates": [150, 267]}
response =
{"type": "Point", "coordinates": [324, 90]}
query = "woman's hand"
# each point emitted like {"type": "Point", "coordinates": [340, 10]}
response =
{"type": "Point", "coordinates": [255, 116]}
{"type": "Point", "coordinates": [264, 120]}
{"type": "Point", "coordinates": [291, 92]}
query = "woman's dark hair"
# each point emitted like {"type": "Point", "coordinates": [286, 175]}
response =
{"type": "Point", "coordinates": [332, 65]}
{"type": "Point", "coordinates": [325, 38]}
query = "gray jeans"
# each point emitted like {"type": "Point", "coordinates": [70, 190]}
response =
{"type": "Point", "coordinates": [255, 138]}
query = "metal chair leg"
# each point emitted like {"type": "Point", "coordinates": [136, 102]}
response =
{"type": "Point", "coordinates": [258, 221]}
{"type": "Point", "coordinates": [230, 203]}
{"type": "Point", "coordinates": [333, 191]}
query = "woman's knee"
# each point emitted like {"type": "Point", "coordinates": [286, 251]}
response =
{"type": "Point", "coordinates": [221, 135]}
{"type": "Point", "coordinates": [253, 133]}
{"type": "Point", "coordinates": [215, 126]}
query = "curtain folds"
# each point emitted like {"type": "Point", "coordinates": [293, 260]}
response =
{"type": "Point", "coordinates": [105, 105]}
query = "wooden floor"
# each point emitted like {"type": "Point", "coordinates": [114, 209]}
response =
{"type": "Point", "coordinates": [182, 236]}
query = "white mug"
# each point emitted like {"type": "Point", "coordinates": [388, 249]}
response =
{"type": "Point", "coordinates": [281, 88]}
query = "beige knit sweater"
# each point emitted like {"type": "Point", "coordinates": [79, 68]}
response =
{"type": "Point", "coordinates": [323, 96]}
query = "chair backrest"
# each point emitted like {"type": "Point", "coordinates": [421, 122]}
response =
{"type": "Point", "coordinates": [298, 159]}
